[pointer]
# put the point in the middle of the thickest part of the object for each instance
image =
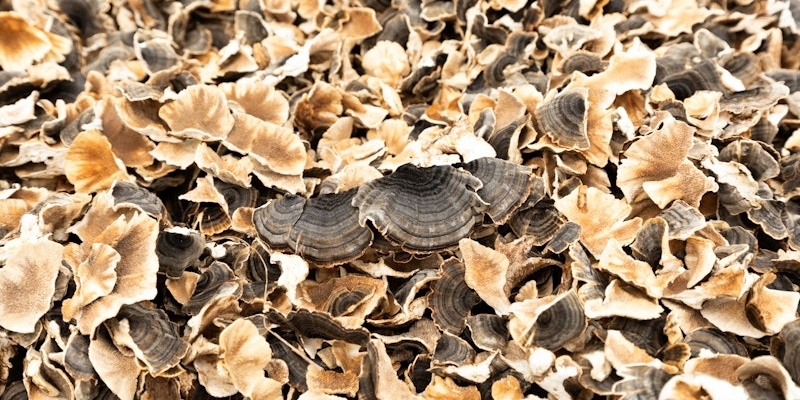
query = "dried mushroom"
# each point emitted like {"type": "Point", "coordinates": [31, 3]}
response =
{"type": "Point", "coordinates": [29, 277]}
{"type": "Point", "coordinates": [399, 199]}
{"type": "Point", "coordinates": [404, 206]}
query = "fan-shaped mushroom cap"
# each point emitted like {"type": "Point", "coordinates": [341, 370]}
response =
{"type": "Point", "coordinates": [181, 115]}
{"type": "Point", "coordinates": [319, 108]}
{"type": "Point", "coordinates": [715, 341]}
{"type": "Point", "coordinates": [325, 229]}
{"type": "Point", "coordinates": [769, 367]}
{"type": "Point", "coordinates": [445, 388]}
{"type": "Point", "coordinates": [244, 353]}
{"type": "Point", "coordinates": [90, 163]}
{"type": "Point", "coordinates": [177, 248]}
{"type": "Point", "coordinates": [132, 196]}
{"type": "Point", "coordinates": [228, 168]}
{"type": "Point", "coordinates": [702, 77]}
{"type": "Point", "coordinates": [348, 299]}
{"type": "Point", "coordinates": [273, 146]}
{"type": "Point", "coordinates": [790, 334]}
{"type": "Point", "coordinates": [118, 371]}
{"type": "Point", "coordinates": [421, 209]}
{"type": "Point", "coordinates": [27, 280]}
{"type": "Point", "coordinates": [564, 117]}
{"type": "Point", "coordinates": [488, 332]}
{"type": "Point", "coordinates": [25, 44]}
{"type": "Point", "coordinates": [94, 277]}
{"type": "Point", "coordinates": [128, 145]}
{"type": "Point", "coordinates": [258, 99]}
{"type": "Point", "coordinates": [485, 272]}
{"type": "Point", "coordinates": [450, 298]}
{"type": "Point", "coordinates": [328, 231]}
{"type": "Point", "coordinates": [387, 61]}
{"type": "Point", "coordinates": [583, 61]}
{"type": "Point", "coordinates": [540, 222]}
{"type": "Point", "coordinates": [566, 235]}
{"type": "Point", "coordinates": [42, 379]}
{"type": "Point", "coordinates": [134, 238]}
{"type": "Point", "coordinates": [770, 309]}
{"type": "Point", "coordinates": [453, 350]}
{"type": "Point", "coordinates": [656, 167]}
{"type": "Point", "coordinates": [274, 220]}
{"type": "Point", "coordinates": [76, 357]}
{"type": "Point", "coordinates": [380, 377]}
{"type": "Point", "coordinates": [760, 162]}
{"type": "Point", "coordinates": [505, 185]}
{"type": "Point", "coordinates": [153, 338]}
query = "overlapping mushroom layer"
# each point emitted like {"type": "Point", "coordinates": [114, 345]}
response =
{"type": "Point", "coordinates": [419, 210]}
{"type": "Point", "coordinates": [404, 199]}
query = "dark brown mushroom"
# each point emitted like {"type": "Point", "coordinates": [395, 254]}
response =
{"type": "Point", "coordinates": [650, 241]}
{"type": "Point", "coordinates": [488, 331]}
{"type": "Point", "coordinates": [215, 279]}
{"type": "Point", "coordinates": [76, 357]}
{"type": "Point", "coordinates": [178, 248]}
{"type": "Point", "coordinates": [755, 156]}
{"type": "Point", "coordinates": [715, 341]}
{"type": "Point", "coordinates": [563, 118]}
{"type": "Point", "coordinates": [453, 350]}
{"type": "Point", "coordinates": [702, 76]}
{"type": "Point", "coordinates": [641, 381]}
{"type": "Point", "coordinates": [274, 220]}
{"type": "Point", "coordinates": [790, 337]}
{"type": "Point", "coordinates": [450, 298]}
{"type": "Point", "coordinates": [328, 230]}
{"type": "Point", "coordinates": [325, 229]}
{"type": "Point", "coordinates": [505, 185]}
{"type": "Point", "coordinates": [318, 325]}
{"type": "Point", "coordinates": [541, 221]}
{"type": "Point", "coordinates": [565, 236]}
{"type": "Point", "coordinates": [152, 336]}
{"type": "Point", "coordinates": [130, 195]}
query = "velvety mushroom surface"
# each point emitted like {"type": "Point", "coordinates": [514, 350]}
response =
{"type": "Point", "coordinates": [478, 199]}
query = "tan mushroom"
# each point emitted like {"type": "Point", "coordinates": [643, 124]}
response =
{"type": "Point", "coordinates": [244, 354]}
{"type": "Point", "coordinates": [28, 277]}
{"type": "Point", "coordinates": [90, 163]}
{"type": "Point", "coordinates": [27, 44]}
{"type": "Point", "coordinates": [664, 175]}
{"type": "Point", "coordinates": [134, 238]}
{"type": "Point", "coordinates": [601, 217]}
{"type": "Point", "coordinates": [180, 115]}
{"type": "Point", "coordinates": [273, 146]}
{"type": "Point", "coordinates": [485, 272]}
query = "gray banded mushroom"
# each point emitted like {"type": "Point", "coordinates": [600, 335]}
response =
{"type": "Point", "coordinates": [324, 229]}
{"type": "Point", "coordinates": [564, 117]}
{"type": "Point", "coordinates": [420, 210]}
{"type": "Point", "coordinates": [450, 298]}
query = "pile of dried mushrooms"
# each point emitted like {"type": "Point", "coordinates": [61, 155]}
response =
{"type": "Point", "coordinates": [374, 199]}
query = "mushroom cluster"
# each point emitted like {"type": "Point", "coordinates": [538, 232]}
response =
{"type": "Point", "coordinates": [406, 199]}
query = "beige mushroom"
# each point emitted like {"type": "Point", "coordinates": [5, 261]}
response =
{"type": "Point", "coordinates": [28, 277]}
